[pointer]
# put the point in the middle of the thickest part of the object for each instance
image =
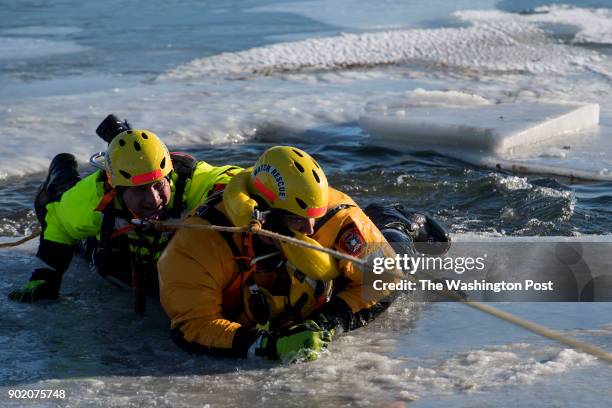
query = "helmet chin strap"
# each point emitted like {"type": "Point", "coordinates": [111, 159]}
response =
{"type": "Point", "coordinates": [138, 216]}
{"type": "Point", "coordinates": [135, 215]}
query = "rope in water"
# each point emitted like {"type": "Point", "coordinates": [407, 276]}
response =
{"type": "Point", "coordinates": [21, 241]}
{"type": "Point", "coordinates": [532, 327]}
{"type": "Point", "coordinates": [256, 228]}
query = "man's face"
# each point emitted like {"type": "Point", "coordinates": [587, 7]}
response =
{"type": "Point", "coordinates": [301, 224]}
{"type": "Point", "coordinates": [149, 200]}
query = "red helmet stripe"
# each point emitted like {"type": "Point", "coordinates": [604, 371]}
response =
{"type": "Point", "coordinates": [147, 177]}
{"type": "Point", "coordinates": [316, 212]}
{"type": "Point", "coordinates": [263, 190]}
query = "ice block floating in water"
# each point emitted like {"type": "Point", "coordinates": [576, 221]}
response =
{"type": "Point", "coordinates": [507, 136]}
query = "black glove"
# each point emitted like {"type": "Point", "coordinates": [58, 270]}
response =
{"type": "Point", "coordinates": [428, 235]}
{"type": "Point", "coordinates": [44, 284]}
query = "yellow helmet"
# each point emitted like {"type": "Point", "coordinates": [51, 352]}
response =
{"type": "Point", "coordinates": [288, 178]}
{"type": "Point", "coordinates": [136, 157]}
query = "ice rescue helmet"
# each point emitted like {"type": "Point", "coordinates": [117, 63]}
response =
{"type": "Point", "coordinates": [289, 179]}
{"type": "Point", "coordinates": [136, 157]}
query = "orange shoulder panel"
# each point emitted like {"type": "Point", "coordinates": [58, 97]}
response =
{"type": "Point", "coordinates": [352, 232]}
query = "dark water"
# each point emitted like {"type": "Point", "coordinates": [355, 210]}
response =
{"type": "Point", "coordinates": [464, 197]}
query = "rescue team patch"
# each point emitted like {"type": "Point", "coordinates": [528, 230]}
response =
{"type": "Point", "coordinates": [278, 178]}
{"type": "Point", "coordinates": [351, 241]}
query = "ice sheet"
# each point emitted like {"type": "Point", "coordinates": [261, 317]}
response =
{"type": "Point", "coordinates": [523, 137]}
{"type": "Point", "coordinates": [493, 128]}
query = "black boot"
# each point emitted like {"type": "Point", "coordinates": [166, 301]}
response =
{"type": "Point", "coordinates": [63, 174]}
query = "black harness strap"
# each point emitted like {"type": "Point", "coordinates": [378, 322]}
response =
{"type": "Point", "coordinates": [106, 232]}
{"type": "Point", "coordinates": [184, 166]}
{"type": "Point", "coordinates": [329, 214]}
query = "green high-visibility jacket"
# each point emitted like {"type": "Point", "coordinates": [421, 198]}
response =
{"type": "Point", "coordinates": [74, 216]}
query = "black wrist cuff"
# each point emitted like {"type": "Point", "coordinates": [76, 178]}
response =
{"type": "Point", "coordinates": [243, 339]}
{"type": "Point", "coordinates": [53, 281]}
{"type": "Point", "coordinates": [49, 275]}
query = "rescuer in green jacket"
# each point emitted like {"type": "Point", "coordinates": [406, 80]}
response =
{"type": "Point", "coordinates": [140, 180]}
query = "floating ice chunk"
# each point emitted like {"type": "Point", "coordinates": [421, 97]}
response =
{"type": "Point", "coordinates": [491, 128]}
{"type": "Point", "coordinates": [515, 136]}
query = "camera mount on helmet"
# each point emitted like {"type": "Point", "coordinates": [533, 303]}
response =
{"type": "Point", "coordinates": [111, 127]}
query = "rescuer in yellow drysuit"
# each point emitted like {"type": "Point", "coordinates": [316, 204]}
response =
{"type": "Point", "coordinates": [240, 294]}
